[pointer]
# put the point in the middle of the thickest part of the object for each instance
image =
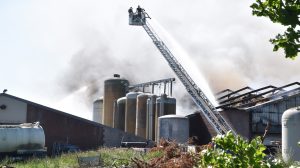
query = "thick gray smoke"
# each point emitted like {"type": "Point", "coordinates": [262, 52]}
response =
{"type": "Point", "coordinates": [98, 61]}
{"type": "Point", "coordinates": [228, 44]}
{"type": "Point", "coordinates": [91, 68]}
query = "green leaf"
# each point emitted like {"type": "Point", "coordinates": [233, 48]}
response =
{"type": "Point", "coordinates": [284, 12]}
{"type": "Point", "coordinates": [234, 152]}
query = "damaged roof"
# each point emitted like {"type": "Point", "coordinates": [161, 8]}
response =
{"type": "Point", "coordinates": [248, 97]}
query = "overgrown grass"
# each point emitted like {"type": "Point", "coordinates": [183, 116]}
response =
{"type": "Point", "coordinates": [65, 160]}
{"type": "Point", "coordinates": [110, 157]}
{"type": "Point", "coordinates": [118, 157]}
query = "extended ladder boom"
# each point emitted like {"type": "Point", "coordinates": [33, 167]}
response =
{"type": "Point", "coordinates": [209, 111]}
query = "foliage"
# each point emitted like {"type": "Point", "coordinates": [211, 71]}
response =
{"type": "Point", "coordinates": [226, 151]}
{"type": "Point", "coordinates": [285, 12]}
{"type": "Point", "coordinates": [231, 152]}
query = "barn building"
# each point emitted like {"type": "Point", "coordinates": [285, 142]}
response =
{"type": "Point", "coordinates": [61, 127]}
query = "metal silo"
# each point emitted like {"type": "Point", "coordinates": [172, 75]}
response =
{"type": "Point", "coordinates": [141, 114]}
{"type": "Point", "coordinates": [291, 135]}
{"type": "Point", "coordinates": [114, 88]}
{"type": "Point", "coordinates": [150, 121]}
{"type": "Point", "coordinates": [98, 110]}
{"type": "Point", "coordinates": [119, 114]}
{"type": "Point", "coordinates": [164, 106]}
{"type": "Point", "coordinates": [130, 112]}
{"type": "Point", "coordinates": [173, 127]}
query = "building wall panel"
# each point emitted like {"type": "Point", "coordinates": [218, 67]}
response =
{"type": "Point", "coordinates": [64, 128]}
{"type": "Point", "coordinates": [271, 111]}
{"type": "Point", "coordinates": [239, 121]}
{"type": "Point", "coordinates": [14, 112]}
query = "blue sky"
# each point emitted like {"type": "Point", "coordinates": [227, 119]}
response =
{"type": "Point", "coordinates": [52, 50]}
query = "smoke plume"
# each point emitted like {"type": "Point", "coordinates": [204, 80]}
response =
{"type": "Point", "coordinates": [228, 44]}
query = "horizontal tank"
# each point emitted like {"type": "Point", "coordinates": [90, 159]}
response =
{"type": "Point", "coordinates": [119, 114]}
{"type": "Point", "coordinates": [21, 137]}
{"type": "Point", "coordinates": [141, 114]}
{"type": "Point", "coordinates": [291, 135]}
{"type": "Point", "coordinates": [98, 110]}
{"type": "Point", "coordinates": [114, 88]}
{"type": "Point", "coordinates": [130, 112]}
{"type": "Point", "coordinates": [173, 127]}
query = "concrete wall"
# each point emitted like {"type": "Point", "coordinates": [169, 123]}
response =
{"type": "Point", "coordinates": [15, 111]}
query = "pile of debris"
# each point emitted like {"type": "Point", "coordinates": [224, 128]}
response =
{"type": "Point", "coordinates": [174, 156]}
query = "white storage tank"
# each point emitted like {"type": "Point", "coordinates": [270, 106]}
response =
{"type": "Point", "coordinates": [150, 119]}
{"type": "Point", "coordinates": [291, 134]}
{"type": "Point", "coordinates": [98, 110]}
{"type": "Point", "coordinates": [130, 112]}
{"type": "Point", "coordinates": [14, 138]}
{"type": "Point", "coordinates": [141, 114]}
{"type": "Point", "coordinates": [173, 127]}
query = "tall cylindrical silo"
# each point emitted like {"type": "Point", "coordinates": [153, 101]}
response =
{"type": "Point", "coordinates": [173, 127]}
{"type": "Point", "coordinates": [130, 112]}
{"type": "Point", "coordinates": [291, 135]}
{"type": "Point", "coordinates": [119, 114]}
{"type": "Point", "coordinates": [150, 121]}
{"type": "Point", "coordinates": [114, 89]}
{"type": "Point", "coordinates": [98, 110]}
{"type": "Point", "coordinates": [141, 114]}
{"type": "Point", "coordinates": [115, 108]}
{"type": "Point", "coordinates": [164, 106]}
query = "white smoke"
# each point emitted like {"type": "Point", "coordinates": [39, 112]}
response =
{"type": "Point", "coordinates": [91, 40]}
{"type": "Point", "coordinates": [229, 46]}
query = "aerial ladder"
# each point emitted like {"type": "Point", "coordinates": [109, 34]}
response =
{"type": "Point", "coordinates": [139, 18]}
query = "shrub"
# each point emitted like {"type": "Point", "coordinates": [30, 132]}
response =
{"type": "Point", "coordinates": [231, 152]}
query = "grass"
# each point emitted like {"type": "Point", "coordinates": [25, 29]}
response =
{"type": "Point", "coordinates": [65, 160]}
{"type": "Point", "coordinates": [110, 157]}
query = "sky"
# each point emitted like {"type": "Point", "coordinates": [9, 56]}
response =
{"type": "Point", "coordinates": [58, 53]}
